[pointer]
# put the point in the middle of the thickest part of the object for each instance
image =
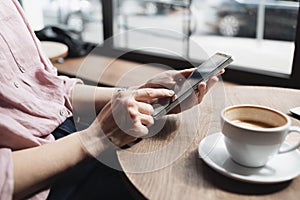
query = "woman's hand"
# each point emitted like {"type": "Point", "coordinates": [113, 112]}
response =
{"type": "Point", "coordinates": [125, 118]}
{"type": "Point", "coordinates": [196, 97]}
{"type": "Point", "coordinates": [170, 79]}
{"type": "Point", "coordinates": [174, 80]}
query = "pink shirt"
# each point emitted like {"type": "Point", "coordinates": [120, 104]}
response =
{"type": "Point", "coordinates": [33, 99]}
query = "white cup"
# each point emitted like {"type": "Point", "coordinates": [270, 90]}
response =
{"type": "Point", "coordinates": [254, 134]}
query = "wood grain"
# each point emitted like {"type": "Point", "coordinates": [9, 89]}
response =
{"type": "Point", "coordinates": [188, 177]}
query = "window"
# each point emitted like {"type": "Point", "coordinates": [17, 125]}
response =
{"type": "Point", "coordinates": [260, 34]}
{"type": "Point", "coordinates": [155, 26]}
{"type": "Point", "coordinates": [83, 17]}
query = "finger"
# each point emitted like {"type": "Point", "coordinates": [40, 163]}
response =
{"type": "Point", "coordinates": [139, 129]}
{"type": "Point", "coordinates": [184, 73]}
{"type": "Point", "coordinates": [151, 93]}
{"type": "Point", "coordinates": [145, 108]}
{"type": "Point", "coordinates": [146, 120]}
{"type": "Point", "coordinates": [167, 83]}
{"type": "Point", "coordinates": [220, 72]}
{"type": "Point", "coordinates": [151, 101]}
{"type": "Point", "coordinates": [212, 81]}
{"type": "Point", "coordinates": [202, 89]}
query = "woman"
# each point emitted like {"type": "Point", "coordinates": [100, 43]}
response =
{"type": "Point", "coordinates": [35, 101]}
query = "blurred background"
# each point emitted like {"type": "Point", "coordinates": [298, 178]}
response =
{"type": "Point", "coordinates": [260, 34]}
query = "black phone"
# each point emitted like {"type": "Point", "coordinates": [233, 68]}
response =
{"type": "Point", "coordinates": [203, 72]}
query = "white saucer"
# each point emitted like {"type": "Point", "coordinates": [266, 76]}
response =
{"type": "Point", "coordinates": [282, 167]}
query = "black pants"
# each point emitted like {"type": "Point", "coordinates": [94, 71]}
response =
{"type": "Point", "coordinates": [88, 180]}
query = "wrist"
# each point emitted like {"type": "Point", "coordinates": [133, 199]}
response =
{"type": "Point", "coordinates": [91, 144]}
{"type": "Point", "coordinates": [122, 89]}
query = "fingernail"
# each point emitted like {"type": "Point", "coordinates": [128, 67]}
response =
{"type": "Point", "coordinates": [174, 97]}
{"type": "Point", "coordinates": [202, 84]}
{"type": "Point", "coordinates": [171, 92]}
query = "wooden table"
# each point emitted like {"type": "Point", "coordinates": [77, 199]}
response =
{"type": "Point", "coordinates": [54, 50]}
{"type": "Point", "coordinates": [188, 177]}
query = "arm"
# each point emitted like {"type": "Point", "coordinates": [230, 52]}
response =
{"type": "Point", "coordinates": [35, 168]}
{"type": "Point", "coordinates": [82, 96]}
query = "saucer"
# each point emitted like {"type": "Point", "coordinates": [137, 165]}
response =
{"type": "Point", "coordinates": [282, 167]}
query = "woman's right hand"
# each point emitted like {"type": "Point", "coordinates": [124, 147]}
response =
{"type": "Point", "coordinates": [124, 119]}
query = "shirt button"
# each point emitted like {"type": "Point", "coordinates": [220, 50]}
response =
{"type": "Point", "coordinates": [17, 85]}
{"type": "Point", "coordinates": [62, 112]}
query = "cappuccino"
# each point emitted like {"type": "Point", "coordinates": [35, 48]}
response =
{"type": "Point", "coordinates": [252, 124]}
{"type": "Point", "coordinates": [253, 133]}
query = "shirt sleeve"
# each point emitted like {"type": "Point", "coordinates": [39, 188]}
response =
{"type": "Point", "coordinates": [69, 84]}
{"type": "Point", "coordinates": [6, 174]}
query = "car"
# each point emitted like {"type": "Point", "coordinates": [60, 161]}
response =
{"type": "Point", "coordinates": [71, 14]}
{"type": "Point", "coordinates": [149, 7]}
{"type": "Point", "coordinates": [239, 18]}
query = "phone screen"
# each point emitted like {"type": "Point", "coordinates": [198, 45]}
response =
{"type": "Point", "coordinates": [203, 73]}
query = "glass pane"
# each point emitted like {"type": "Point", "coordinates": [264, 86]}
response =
{"type": "Point", "coordinates": [259, 34]}
{"type": "Point", "coordinates": [155, 26]}
{"type": "Point", "coordinates": [83, 17]}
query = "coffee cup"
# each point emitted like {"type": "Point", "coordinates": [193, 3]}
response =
{"type": "Point", "coordinates": [254, 134]}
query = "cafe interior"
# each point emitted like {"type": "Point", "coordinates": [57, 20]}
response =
{"type": "Point", "coordinates": [189, 155]}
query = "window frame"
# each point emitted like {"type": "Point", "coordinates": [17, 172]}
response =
{"type": "Point", "coordinates": [233, 73]}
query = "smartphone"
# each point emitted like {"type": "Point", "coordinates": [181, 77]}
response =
{"type": "Point", "coordinates": [202, 73]}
